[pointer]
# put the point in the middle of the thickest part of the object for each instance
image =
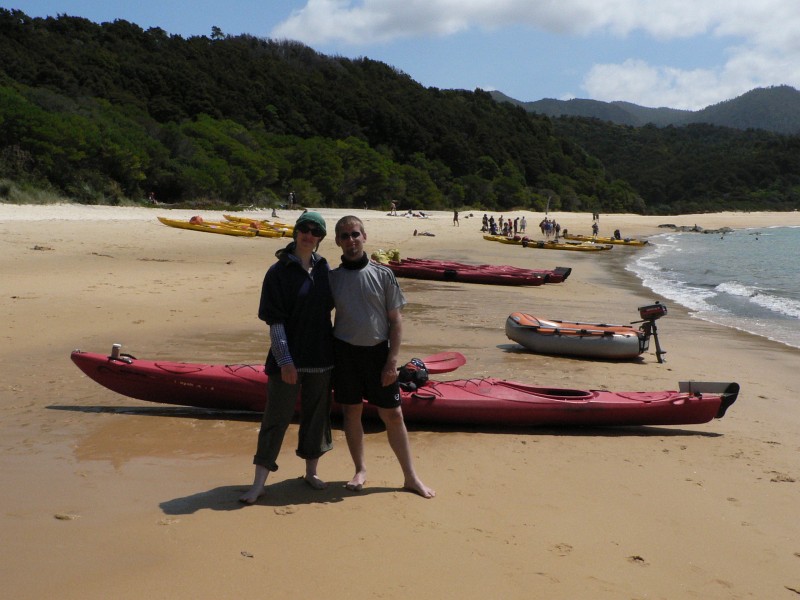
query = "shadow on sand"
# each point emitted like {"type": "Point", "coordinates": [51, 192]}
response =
{"type": "Point", "coordinates": [283, 497]}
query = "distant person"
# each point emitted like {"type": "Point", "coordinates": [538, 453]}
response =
{"type": "Point", "coordinates": [393, 209]}
{"type": "Point", "coordinates": [523, 224]}
{"type": "Point", "coordinates": [617, 234]}
{"type": "Point", "coordinates": [595, 229]}
{"type": "Point", "coordinates": [367, 334]}
{"type": "Point", "coordinates": [455, 219]}
{"type": "Point", "coordinates": [296, 303]}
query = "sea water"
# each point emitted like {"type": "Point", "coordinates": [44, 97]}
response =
{"type": "Point", "coordinates": [748, 279]}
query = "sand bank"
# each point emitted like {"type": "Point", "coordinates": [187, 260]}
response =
{"type": "Point", "coordinates": [109, 497]}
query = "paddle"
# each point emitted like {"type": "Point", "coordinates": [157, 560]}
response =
{"type": "Point", "coordinates": [444, 362]}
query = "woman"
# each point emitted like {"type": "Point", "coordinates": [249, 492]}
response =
{"type": "Point", "coordinates": [296, 303]}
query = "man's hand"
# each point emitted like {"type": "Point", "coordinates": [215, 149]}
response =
{"type": "Point", "coordinates": [389, 373]}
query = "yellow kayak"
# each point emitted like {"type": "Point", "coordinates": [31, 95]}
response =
{"type": "Point", "coordinates": [265, 228]}
{"type": "Point", "coordinates": [502, 239]}
{"type": "Point", "coordinates": [248, 225]}
{"type": "Point", "coordinates": [550, 245]}
{"type": "Point", "coordinates": [605, 240]}
{"type": "Point", "coordinates": [208, 227]}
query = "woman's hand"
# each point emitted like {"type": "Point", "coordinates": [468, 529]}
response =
{"type": "Point", "coordinates": [289, 374]}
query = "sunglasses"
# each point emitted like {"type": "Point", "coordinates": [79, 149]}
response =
{"type": "Point", "coordinates": [303, 228]}
{"type": "Point", "coordinates": [353, 234]}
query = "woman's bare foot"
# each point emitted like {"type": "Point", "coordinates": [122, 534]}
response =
{"type": "Point", "coordinates": [252, 495]}
{"type": "Point", "coordinates": [419, 488]}
{"type": "Point", "coordinates": [356, 484]}
{"type": "Point", "coordinates": [315, 482]}
{"type": "Point", "coordinates": [256, 490]}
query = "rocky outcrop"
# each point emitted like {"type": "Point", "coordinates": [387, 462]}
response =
{"type": "Point", "coordinates": [695, 228]}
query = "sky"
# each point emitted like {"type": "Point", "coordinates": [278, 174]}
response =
{"type": "Point", "coordinates": [685, 54]}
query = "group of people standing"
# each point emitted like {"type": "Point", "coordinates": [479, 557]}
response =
{"type": "Point", "coordinates": [355, 355]}
{"type": "Point", "coordinates": [502, 226]}
{"type": "Point", "coordinates": [550, 228]}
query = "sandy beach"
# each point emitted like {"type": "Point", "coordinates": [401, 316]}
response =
{"type": "Point", "coordinates": [109, 497]}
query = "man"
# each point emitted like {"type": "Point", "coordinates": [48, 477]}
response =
{"type": "Point", "coordinates": [367, 334]}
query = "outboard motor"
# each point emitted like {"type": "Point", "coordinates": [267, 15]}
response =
{"type": "Point", "coordinates": [650, 314]}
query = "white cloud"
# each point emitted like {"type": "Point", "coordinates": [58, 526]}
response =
{"type": "Point", "coordinates": [764, 48]}
{"type": "Point", "coordinates": [639, 82]}
{"type": "Point", "coordinates": [371, 21]}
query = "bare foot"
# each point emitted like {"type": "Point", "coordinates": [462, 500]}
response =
{"type": "Point", "coordinates": [356, 484]}
{"type": "Point", "coordinates": [419, 488]}
{"type": "Point", "coordinates": [252, 495]}
{"type": "Point", "coordinates": [315, 482]}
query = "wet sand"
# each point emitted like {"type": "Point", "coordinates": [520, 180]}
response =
{"type": "Point", "coordinates": [109, 497]}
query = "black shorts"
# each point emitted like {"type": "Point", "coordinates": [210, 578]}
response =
{"type": "Point", "coordinates": [357, 375]}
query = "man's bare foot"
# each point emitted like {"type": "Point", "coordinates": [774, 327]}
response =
{"type": "Point", "coordinates": [419, 488]}
{"type": "Point", "coordinates": [356, 484]}
{"type": "Point", "coordinates": [252, 495]}
{"type": "Point", "coordinates": [315, 482]}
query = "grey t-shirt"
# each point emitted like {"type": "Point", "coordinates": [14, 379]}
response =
{"type": "Point", "coordinates": [363, 298]}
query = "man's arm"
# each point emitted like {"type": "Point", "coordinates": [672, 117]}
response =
{"type": "Point", "coordinates": [389, 373]}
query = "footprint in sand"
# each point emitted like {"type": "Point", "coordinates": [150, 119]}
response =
{"type": "Point", "coordinates": [285, 510]}
{"type": "Point", "coordinates": [66, 517]}
{"type": "Point", "coordinates": [561, 549]}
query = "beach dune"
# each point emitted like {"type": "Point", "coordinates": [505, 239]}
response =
{"type": "Point", "coordinates": [109, 497]}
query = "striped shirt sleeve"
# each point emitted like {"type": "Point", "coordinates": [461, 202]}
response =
{"type": "Point", "coordinates": [280, 345]}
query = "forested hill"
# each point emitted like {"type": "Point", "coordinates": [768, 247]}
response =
{"type": "Point", "coordinates": [775, 109]}
{"type": "Point", "coordinates": [111, 111]}
{"type": "Point", "coordinates": [696, 168]}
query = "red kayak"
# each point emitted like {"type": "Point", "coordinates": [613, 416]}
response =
{"type": "Point", "coordinates": [418, 268]}
{"type": "Point", "coordinates": [467, 401]}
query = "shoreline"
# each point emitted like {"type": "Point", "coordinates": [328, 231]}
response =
{"type": "Point", "coordinates": [92, 476]}
{"type": "Point", "coordinates": [768, 326]}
